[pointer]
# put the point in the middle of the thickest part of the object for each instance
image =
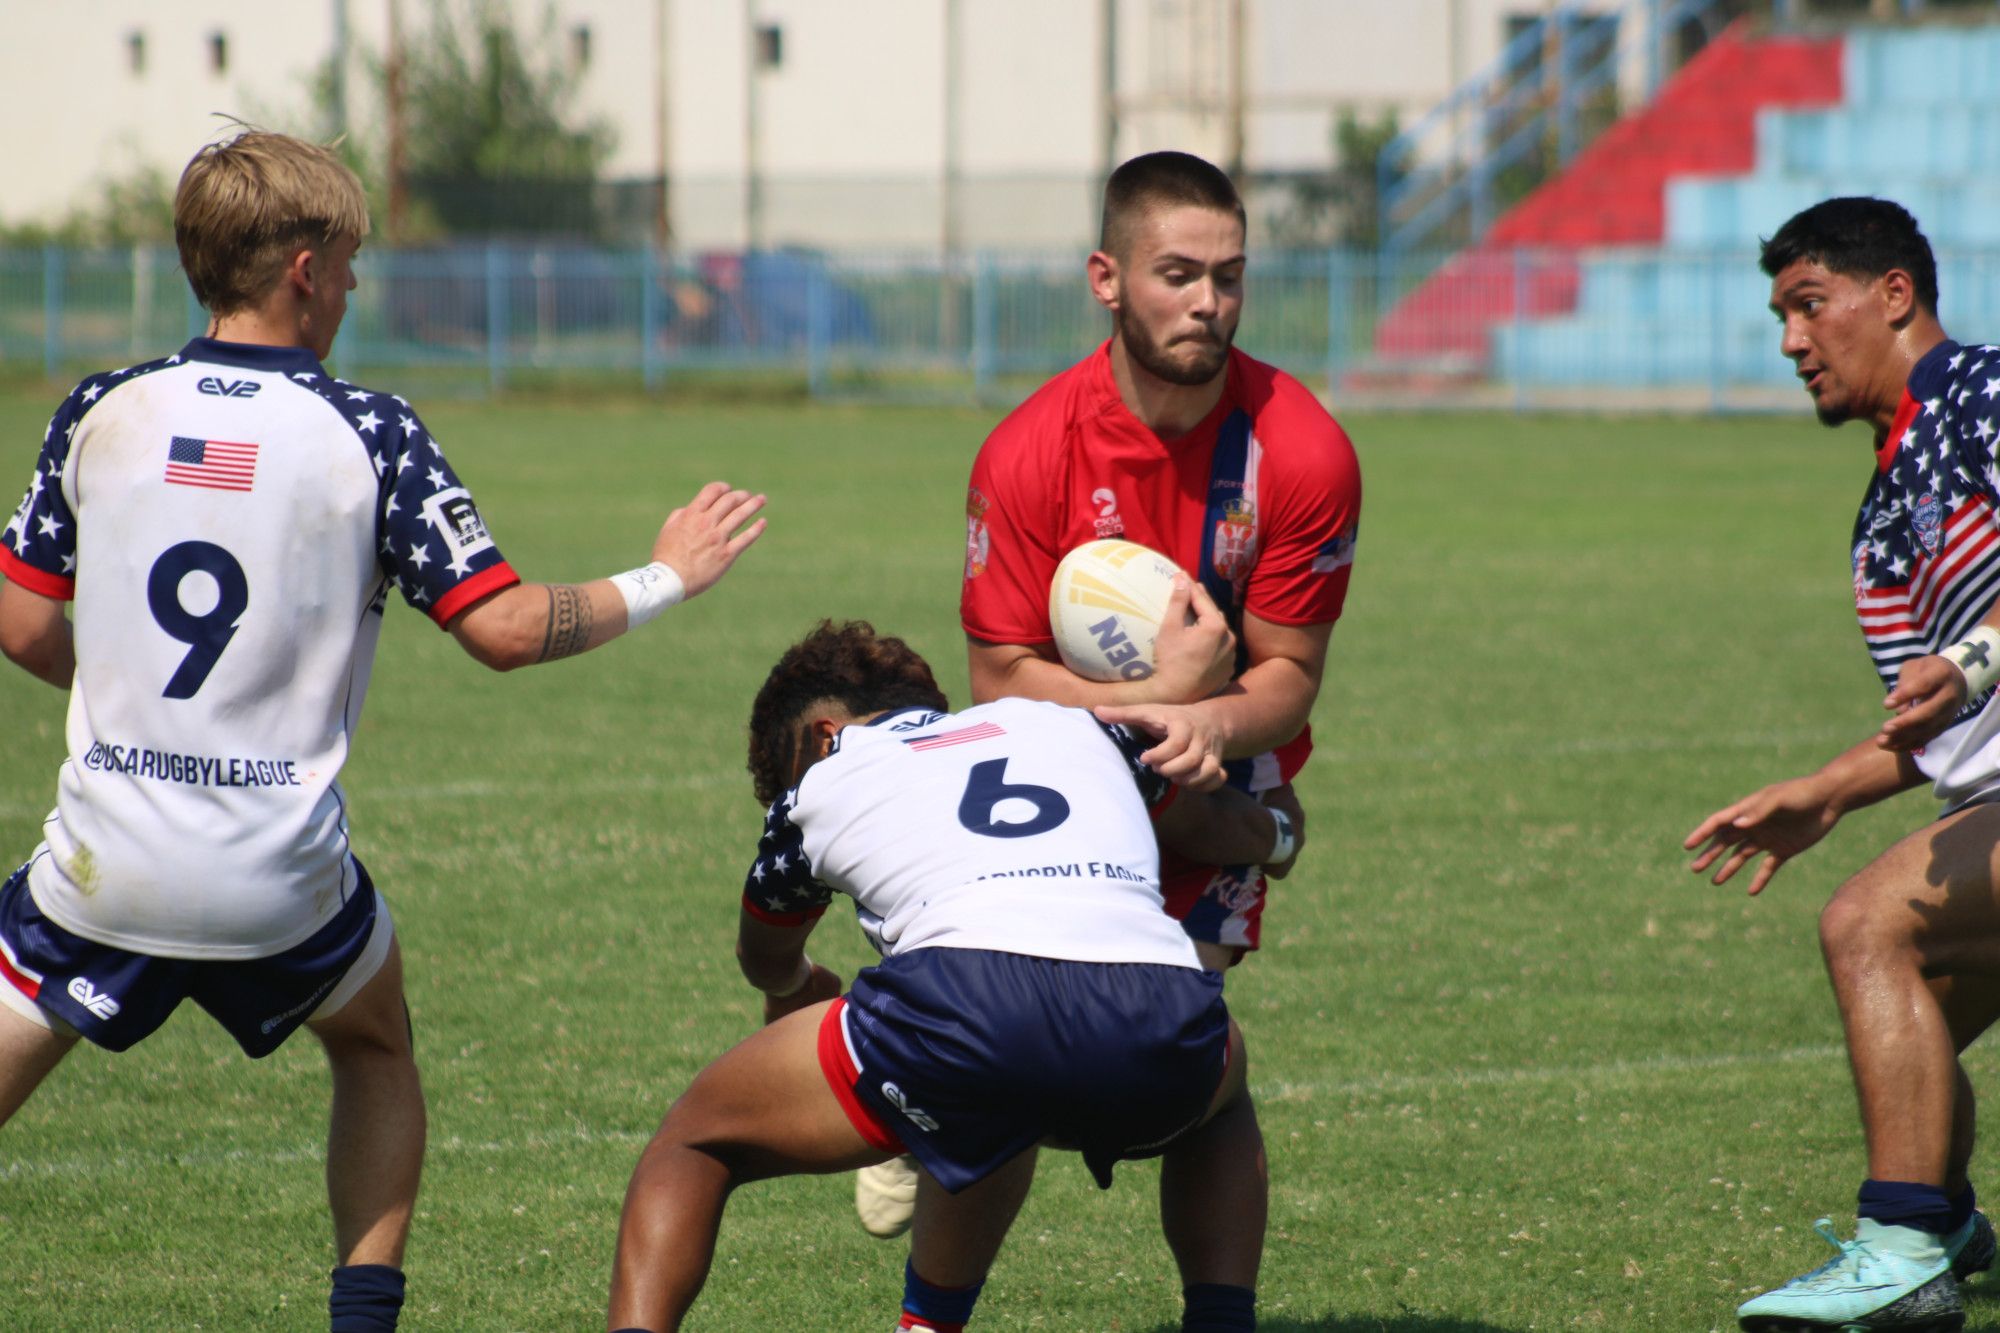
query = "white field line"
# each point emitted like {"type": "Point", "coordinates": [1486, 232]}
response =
{"type": "Point", "coordinates": [1658, 1068]}
{"type": "Point", "coordinates": [1609, 1072]}
{"type": "Point", "coordinates": [494, 786]}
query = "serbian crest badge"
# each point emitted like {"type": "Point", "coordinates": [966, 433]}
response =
{"type": "Point", "coordinates": [1236, 540]}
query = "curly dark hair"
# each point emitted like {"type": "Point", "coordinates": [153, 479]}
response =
{"type": "Point", "coordinates": [848, 664]}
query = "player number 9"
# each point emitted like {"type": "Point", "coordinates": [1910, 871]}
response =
{"type": "Point", "coordinates": [205, 633]}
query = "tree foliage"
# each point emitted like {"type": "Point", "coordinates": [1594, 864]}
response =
{"type": "Point", "coordinates": [493, 143]}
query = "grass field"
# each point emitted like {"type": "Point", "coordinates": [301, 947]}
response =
{"type": "Point", "coordinates": [1517, 1069]}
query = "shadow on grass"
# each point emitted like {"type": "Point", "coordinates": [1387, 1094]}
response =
{"type": "Point", "coordinates": [1366, 1323]}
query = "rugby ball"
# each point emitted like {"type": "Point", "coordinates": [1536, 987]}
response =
{"type": "Point", "coordinates": [1106, 604]}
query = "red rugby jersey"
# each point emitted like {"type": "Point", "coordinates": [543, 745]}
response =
{"type": "Point", "coordinates": [1073, 464]}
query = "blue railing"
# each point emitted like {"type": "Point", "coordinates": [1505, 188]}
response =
{"type": "Point", "coordinates": [1439, 180]}
{"type": "Point", "coordinates": [1679, 328]}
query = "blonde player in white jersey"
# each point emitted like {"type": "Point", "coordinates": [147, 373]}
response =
{"type": "Point", "coordinates": [1032, 990]}
{"type": "Point", "coordinates": [228, 522]}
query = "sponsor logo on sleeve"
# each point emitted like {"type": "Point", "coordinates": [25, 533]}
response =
{"type": "Point", "coordinates": [978, 542]}
{"type": "Point", "coordinates": [456, 519]}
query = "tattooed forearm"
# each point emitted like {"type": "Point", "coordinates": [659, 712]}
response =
{"type": "Point", "coordinates": [569, 623]}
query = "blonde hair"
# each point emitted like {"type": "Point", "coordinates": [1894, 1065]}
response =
{"type": "Point", "coordinates": [247, 205]}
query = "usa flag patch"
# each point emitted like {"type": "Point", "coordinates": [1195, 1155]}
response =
{"type": "Point", "coordinates": [217, 465]}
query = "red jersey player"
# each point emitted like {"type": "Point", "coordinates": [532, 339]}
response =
{"type": "Point", "coordinates": [1168, 437]}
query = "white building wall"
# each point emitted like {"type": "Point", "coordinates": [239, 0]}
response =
{"type": "Point", "coordinates": [850, 127]}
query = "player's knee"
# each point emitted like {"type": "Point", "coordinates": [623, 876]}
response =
{"type": "Point", "coordinates": [1853, 930]}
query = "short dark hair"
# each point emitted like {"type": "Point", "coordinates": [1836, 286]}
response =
{"type": "Point", "coordinates": [1860, 237]}
{"type": "Point", "coordinates": [848, 664]}
{"type": "Point", "coordinates": [1156, 180]}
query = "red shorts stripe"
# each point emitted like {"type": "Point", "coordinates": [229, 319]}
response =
{"type": "Point", "coordinates": [21, 981]}
{"type": "Point", "coordinates": [841, 1075]}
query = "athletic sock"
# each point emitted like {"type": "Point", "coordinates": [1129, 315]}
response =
{"type": "Point", "coordinates": [938, 1309]}
{"type": "Point", "coordinates": [1213, 1307]}
{"type": "Point", "coordinates": [1962, 1204]}
{"type": "Point", "coordinates": [366, 1299]}
{"type": "Point", "coordinates": [1905, 1203]}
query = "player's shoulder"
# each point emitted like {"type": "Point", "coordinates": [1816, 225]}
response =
{"type": "Point", "coordinates": [1279, 402]}
{"type": "Point", "coordinates": [1047, 417]}
{"type": "Point", "coordinates": [95, 388]}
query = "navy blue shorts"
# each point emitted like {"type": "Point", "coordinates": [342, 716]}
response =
{"type": "Point", "coordinates": [117, 998]}
{"type": "Point", "coordinates": [966, 1058]}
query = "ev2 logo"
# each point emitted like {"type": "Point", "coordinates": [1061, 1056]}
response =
{"type": "Point", "coordinates": [92, 998]}
{"type": "Point", "coordinates": [219, 388]}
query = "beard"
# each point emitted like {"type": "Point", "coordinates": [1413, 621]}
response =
{"type": "Point", "coordinates": [1207, 362]}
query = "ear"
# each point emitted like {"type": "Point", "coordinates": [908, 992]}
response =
{"type": "Point", "coordinates": [822, 730]}
{"type": "Point", "coordinates": [1103, 270]}
{"type": "Point", "coordinates": [302, 272]}
{"type": "Point", "coordinates": [1899, 296]}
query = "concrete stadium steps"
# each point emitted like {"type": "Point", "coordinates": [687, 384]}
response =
{"type": "Point", "coordinates": [1613, 193]}
{"type": "Point", "coordinates": [1920, 125]}
{"type": "Point", "coordinates": [1706, 214]}
{"type": "Point", "coordinates": [1898, 139]}
{"type": "Point", "coordinates": [1646, 318]}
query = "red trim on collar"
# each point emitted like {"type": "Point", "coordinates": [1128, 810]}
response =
{"type": "Point", "coordinates": [1906, 412]}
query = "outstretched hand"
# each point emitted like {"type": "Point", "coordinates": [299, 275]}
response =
{"type": "Point", "coordinates": [1778, 822]}
{"type": "Point", "coordinates": [1929, 693]}
{"type": "Point", "coordinates": [702, 539]}
{"type": "Point", "coordinates": [1189, 752]}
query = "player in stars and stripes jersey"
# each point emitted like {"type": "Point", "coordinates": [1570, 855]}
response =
{"type": "Point", "coordinates": [1912, 940]}
{"type": "Point", "coordinates": [228, 523]}
{"type": "Point", "coordinates": [1032, 988]}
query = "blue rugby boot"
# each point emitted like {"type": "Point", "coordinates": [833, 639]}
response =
{"type": "Point", "coordinates": [1885, 1278]}
{"type": "Point", "coordinates": [1971, 1247]}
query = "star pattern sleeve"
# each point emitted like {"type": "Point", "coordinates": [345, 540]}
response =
{"type": "Point", "coordinates": [1156, 791]}
{"type": "Point", "coordinates": [433, 542]}
{"type": "Point", "coordinates": [1967, 419]}
{"type": "Point", "coordinates": [38, 545]}
{"type": "Point", "coordinates": [781, 889]}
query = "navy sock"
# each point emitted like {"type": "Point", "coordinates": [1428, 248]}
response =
{"type": "Point", "coordinates": [1962, 1204]}
{"type": "Point", "coordinates": [1213, 1307]}
{"type": "Point", "coordinates": [1903, 1203]}
{"type": "Point", "coordinates": [366, 1299]}
{"type": "Point", "coordinates": [937, 1307]}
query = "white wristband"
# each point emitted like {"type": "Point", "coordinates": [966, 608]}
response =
{"type": "Point", "coordinates": [1978, 656]}
{"type": "Point", "coordinates": [1287, 842]}
{"type": "Point", "coordinates": [648, 590]}
{"type": "Point", "coordinates": [805, 975]}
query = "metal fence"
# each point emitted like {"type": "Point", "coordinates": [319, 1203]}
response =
{"type": "Point", "coordinates": [1633, 329]}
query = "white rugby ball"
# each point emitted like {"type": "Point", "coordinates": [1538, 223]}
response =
{"type": "Point", "coordinates": [1106, 604]}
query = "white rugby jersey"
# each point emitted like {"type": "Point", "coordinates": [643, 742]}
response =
{"type": "Point", "coordinates": [228, 521]}
{"type": "Point", "coordinates": [1926, 545]}
{"type": "Point", "coordinates": [1017, 826]}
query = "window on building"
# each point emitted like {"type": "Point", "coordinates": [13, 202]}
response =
{"type": "Point", "coordinates": [218, 53]}
{"type": "Point", "coordinates": [770, 46]}
{"type": "Point", "coordinates": [579, 46]}
{"type": "Point", "coordinates": [135, 51]}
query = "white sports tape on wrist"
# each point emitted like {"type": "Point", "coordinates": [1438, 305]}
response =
{"type": "Point", "coordinates": [1978, 656]}
{"type": "Point", "coordinates": [648, 590]}
{"type": "Point", "coordinates": [1287, 842]}
{"type": "Point", "coordinates": [805, 975]}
